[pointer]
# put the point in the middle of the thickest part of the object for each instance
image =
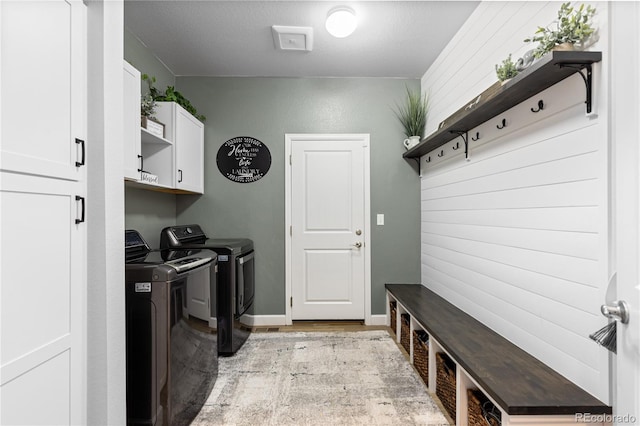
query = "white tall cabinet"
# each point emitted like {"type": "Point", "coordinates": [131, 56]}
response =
{"type": "Point", "coordinates": [42, 200]}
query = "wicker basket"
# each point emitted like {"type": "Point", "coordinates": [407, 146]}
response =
{"type": "Point", "coordinates": [405, 333]}
{"type": "Point", "coordinates": [421, 354]}
{"type": "Point", "coordinates": [392, 314]}
{"type": "Point", "coordinates": [446, 383]}
{"type": "Point", "coordinates": [481, 411]}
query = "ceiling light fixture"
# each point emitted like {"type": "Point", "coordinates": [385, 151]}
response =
{"type": "Point", "coordinates": [341, 21]}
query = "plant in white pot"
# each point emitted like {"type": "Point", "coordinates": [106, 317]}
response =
{"type": "Point", "coordinates": [572, 29]}
{"type": "Point", "coordinates": [413, 117]}
{"type": "Point", "coordinates": [507, 70]}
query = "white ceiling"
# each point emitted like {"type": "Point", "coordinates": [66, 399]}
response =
{"type": "Point", "coordinates": [233, 38]}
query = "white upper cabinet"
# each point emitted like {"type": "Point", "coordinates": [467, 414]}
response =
{"type": "Point", "coordinates": [131, 109]}
{"type": "Point", "coordinates": [187, 134]}
{"type": "Point", "coordinates": [176, 158]}
{"type": "Point", "coordinates": [46, 55]}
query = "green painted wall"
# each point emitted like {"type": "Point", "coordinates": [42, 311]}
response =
{"type": "Point", "coordinates": [266, 109]}
{"type": "Point", "coordinates": [146, 62]}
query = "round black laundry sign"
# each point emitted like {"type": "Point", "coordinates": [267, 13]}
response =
{"type": "Point", "coordinates": [243, 159]}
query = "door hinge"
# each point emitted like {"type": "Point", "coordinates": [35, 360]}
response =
{"type": "Point", "coordinates": [291, 302]}
{"type": "Point", "coordinates": [290, 160]}
{"type": "Point", "coordinates": [290, 231]}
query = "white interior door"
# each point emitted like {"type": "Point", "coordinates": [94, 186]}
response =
{"type": "Point", "coordinates": [328, 228]}
{"type": "Point", "coordinates": [42, 185]}
{"type": "Point", "coordinates": [625, 135]}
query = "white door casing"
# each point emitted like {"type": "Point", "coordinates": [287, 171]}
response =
{"type": "Point", "coordinates": [327, 209]}
{"type": "Point", "coordinates": [42, 174]}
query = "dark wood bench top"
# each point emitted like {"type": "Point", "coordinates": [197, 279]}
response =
{"type": "Point", "coordinates": [519, 383]}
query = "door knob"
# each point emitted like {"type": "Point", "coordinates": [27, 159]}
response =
{"type": "Point", "coordinates": [358, 231]}
{"type": "Point", "coordinates": [618, 310]}
{"type": "Point", "coordinates": [358, 244]}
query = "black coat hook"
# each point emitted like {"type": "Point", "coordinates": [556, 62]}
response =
{"type": "Point", "coordinates": [476, 137]}
{"type": "Point", "coordinates": [441, 153]}
{"type": "Point", "coordinates": [540, 106]}
{"type": "Point", "coordinates": [504, 124]}
{"type": "Point", "coordinates": [457, 146]}
{"type": "Point", "coordinates": [428, 159]}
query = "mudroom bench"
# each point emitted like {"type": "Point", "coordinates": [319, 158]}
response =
{"type": "Point", "coordinates": [478, 374]}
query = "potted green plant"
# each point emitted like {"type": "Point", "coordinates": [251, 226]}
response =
{"type": "Point", "coordinates": [147, 106]}
{"type": "Point", "coordinates": [507, 70]}
{"type": "Point", "coordinates": [171, 95]}
{"type": "Point", "coordinates": [148, 109]}
{"type": "Point", "coordinates": [572, 28]}
{"type": "Point", "coordinates": [413, 117]}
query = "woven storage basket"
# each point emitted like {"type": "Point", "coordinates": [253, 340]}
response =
{"type": "Point", "coordinates": [421, 354]}
{"type": "Point", "coordinates": [392, 314]}
{"type": "Point", "coordinates": [405, 333]}
{"type": "Point", "coordinates": [481, 411]}
{"type": "Point", "coordinates": [446, 383]}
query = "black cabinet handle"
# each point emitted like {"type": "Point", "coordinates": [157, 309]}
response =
{"type": "Point", "coordinates": [141, 163]}
{"type": "Point", "coordinates": [180, 178]}
{"type": "Point", "coordinates": [81, 199]}
{"type": "Point", "coordinates": [81, 143]}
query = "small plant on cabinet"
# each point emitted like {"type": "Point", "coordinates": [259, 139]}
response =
{"type": "Point", "coordinates": [147, 106]}
{"type": "Point", "coordinates": [171, 95]}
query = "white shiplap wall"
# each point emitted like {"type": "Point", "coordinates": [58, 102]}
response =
{"type": "Point", "coordinates": [518, 235]}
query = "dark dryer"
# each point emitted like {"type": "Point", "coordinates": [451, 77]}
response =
{"type": "Point", "coordinates": [236, 279]}
{"type": "Point", "coordinates": [171, 367]}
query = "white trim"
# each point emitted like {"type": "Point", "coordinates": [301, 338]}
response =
{"type": "Point", "coordinates": [289, 138]}
{"type": "Point", "coordinates": [263, 320]}
{"type": "Point", "coordinates": [380, 319]}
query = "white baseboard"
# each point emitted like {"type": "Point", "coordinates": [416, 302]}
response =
{"type": "Point", "coordinates": [263, 320]}
{"type": "Point", "coordinates": [379, 320]}
{"type": "Point", "coordinates": [279, 320]}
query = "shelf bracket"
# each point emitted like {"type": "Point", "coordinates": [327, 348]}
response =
{"type": "Point", "coordinates": [465, 137]}
{"type": "Point", "coordinates": [587, 80]}
{"type": "Point", "coordinates": [418, 162]}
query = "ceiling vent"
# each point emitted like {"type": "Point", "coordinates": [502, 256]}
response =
{"type": "Point", "coordinates": [292, 38]}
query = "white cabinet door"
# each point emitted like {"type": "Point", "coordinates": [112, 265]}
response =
{"type": "Point", "coordinates": [189, 152]}
{"type": "Point", "coordinates": [187, 135]}
{"type": "Point", "coordinates": [131, 110]}
{"type": "Point", "coordinates": [39, 63]}
{"type": "Point", "coordinates": [42, 296]}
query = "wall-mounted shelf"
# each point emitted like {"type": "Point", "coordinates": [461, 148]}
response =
{"type": "Point", "coordinates": [542, 74]}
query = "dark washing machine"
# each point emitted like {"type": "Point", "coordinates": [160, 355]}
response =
{"type": "Point", "coordinates": [236, 279]}
{"type": "Point", "coordinates": [171, 366]}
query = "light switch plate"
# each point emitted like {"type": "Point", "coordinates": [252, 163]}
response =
{"type": "Point", "coordinates": [380, 219]}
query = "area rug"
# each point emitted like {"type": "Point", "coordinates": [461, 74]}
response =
{"type": "Point", "coordinates": [319, 378]}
